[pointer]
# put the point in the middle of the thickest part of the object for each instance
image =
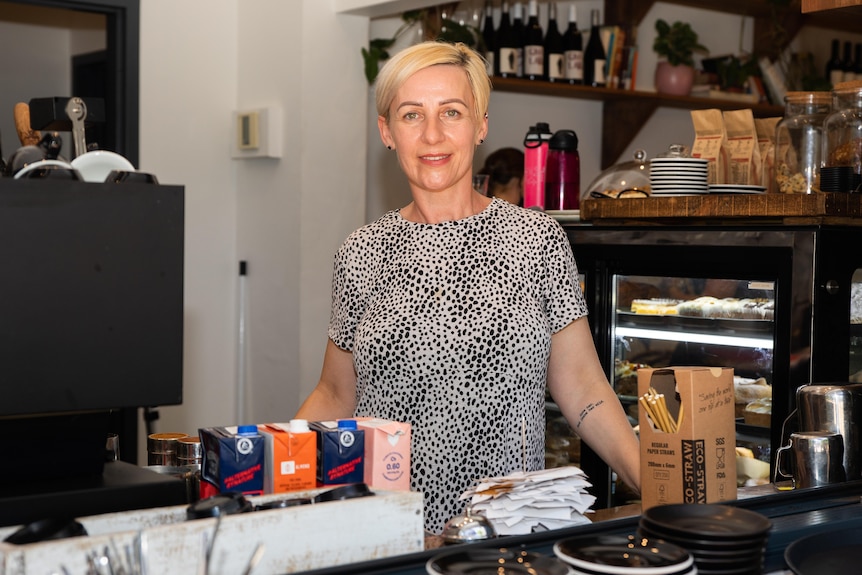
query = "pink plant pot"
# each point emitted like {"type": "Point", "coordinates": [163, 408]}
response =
{"type": "Point", "coordinates": [673, 80]}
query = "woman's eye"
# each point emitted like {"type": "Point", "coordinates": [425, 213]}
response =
{"type": "Point", "coordinates": [451, 114]}
{"type": "Point", "coordinates": [411, 115]}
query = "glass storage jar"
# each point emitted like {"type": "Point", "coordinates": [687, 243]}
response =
{"type": "Point", "coordinates": [798, 142]}
{"type": "Point", "coordinates": [842, 139]}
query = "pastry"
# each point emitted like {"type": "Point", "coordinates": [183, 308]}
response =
{"type": "Point", "coordinates": [759, 412]}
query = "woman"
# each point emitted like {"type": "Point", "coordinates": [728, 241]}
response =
{"type": "Point", "coordinates": [505, 170]}
{"type": "Point", "coordinates": [453, 312]}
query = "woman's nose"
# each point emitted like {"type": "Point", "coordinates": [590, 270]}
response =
{"type": "Point", "coordinates": [434, 130]}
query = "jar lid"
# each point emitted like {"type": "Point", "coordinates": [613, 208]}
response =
{"type": "Point", "coordinates": [222, 504]}
{"type": "Point", "coordinates": [809, 97]}
{"type": "Point", "coordinates": [247, 430]}
{"type": "Point", "coordinates": [163, 442]}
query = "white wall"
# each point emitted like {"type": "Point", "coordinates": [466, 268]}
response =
{"type": "Point", "coordinates": [286, 217]}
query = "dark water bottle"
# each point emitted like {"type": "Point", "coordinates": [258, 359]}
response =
{"type": "Point", "coordinates": [563, 172]}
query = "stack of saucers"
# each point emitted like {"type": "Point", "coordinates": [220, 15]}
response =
{"type": "Point", "coordinates": [723, 539]}
{"type": "Point", "coordinates": [619, 555]}
{"type": "Point", "coordinates": [678, 176]}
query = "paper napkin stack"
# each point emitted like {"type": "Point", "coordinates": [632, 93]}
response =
{"type": "Point", "coordinates": [524, 502]}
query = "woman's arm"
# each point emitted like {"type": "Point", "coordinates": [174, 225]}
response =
{"type": "Point", "coordinates": [581, 390]}
{"type": "Point", "coordinates": [335, 394]}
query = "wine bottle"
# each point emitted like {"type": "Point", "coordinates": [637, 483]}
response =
{"type": "Point", "coordinates": [594, 55]}
{"type": "Point", "coordinates": [520, 36]}
{"type": "Point", "coordinates": [555, 70]}
{"type": "Point", "coordinates": [506, 59]}
{"type": "Point", "coordinates": [489, 37]}
{"type": "Point", "coordinates": [847, 60]}
{"type": "Point", "coordinates": [857, 63]}
{"type": "Point", "coordinates": [534, 49]}
{"type": "Point", "coordinates": [573, 49]}
{"type": "Point", "coordinates": [835, 67]}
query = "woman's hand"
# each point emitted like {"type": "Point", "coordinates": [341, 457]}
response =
{"type": "Point", "coordinates": [335, 394]}
{"type": "Point", "coordinates": [582, 391]}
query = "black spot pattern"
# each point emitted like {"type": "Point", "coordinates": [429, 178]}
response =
{"type": "Point", "coordinates": [450, 327]}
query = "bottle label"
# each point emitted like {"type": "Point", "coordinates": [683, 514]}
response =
{"type": "Point", "coordinates": [836, 76]}
{"type": "Point", "coordinates": [556, 67]}
{"type": "Point", "coordinates": [534, 61]}
{"type": "Point", "coordinates": [850, 76]}
{"type": "Point", "coordinates": [599, 71]}
{"type": "Point", "coordinates": [574, 65]}
{"type": "Point", "coordinates": [509, 61]}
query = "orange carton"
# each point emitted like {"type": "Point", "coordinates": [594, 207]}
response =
{"type": "Point", "coordinates": [291, 456]}
{"type": "Point", "coordinates": [691, 458]}
{"type": "Point", "coordinates": [387, 453]}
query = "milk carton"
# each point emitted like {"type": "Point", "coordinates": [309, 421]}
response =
{"type": "Point", "coordinates": [233, 459]}
{"type": "Point", "coordinates": [387, 453]}
{"type": "Point", "coordinates": [340, 452]}
{"type": "Point", "coordinates": [291, 456]}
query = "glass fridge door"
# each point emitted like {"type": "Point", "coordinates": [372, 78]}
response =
{"type": "Point", "coordinates": [661, 321]}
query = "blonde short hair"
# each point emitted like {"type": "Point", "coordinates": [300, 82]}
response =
{"type": "Point", "coordinates": [424, 55]}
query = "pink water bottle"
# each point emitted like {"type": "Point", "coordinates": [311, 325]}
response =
{"type": "Point", "coordinates": [563, 172]}
{"type": "Point", "coordinates": [535, 158]}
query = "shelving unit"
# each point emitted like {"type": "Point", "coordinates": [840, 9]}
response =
{"type": "Point", "coordinates": [625, 111]}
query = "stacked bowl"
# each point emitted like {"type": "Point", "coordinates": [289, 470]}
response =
{"type": "Point", "coordinates": [723, 540]}
{"type": "Point", "coordinates": [619, 555]}
{"type": "Point", "coordinates": [678, 176]}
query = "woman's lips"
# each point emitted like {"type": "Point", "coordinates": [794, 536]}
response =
{"type": "Point", "coordinates": [436, 158]}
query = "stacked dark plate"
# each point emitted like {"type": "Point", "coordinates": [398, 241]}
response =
{"type": "Point", "coordinates": [724, 540]}
{"type": "Point", "coordinates": [842, 179]}
{"type": "Point", "coordinates": [619, 555]}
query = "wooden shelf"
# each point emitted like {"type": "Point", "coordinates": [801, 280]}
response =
{"type": "Point", "coordinates": [625, 111]}
{"type": "Point", "coordinates": [778, 208]}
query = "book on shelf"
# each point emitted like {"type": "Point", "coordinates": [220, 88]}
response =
{"type": "Point", "coordinates": [773, 79]}
{"type": "Point", "coordinates": [620, 58]}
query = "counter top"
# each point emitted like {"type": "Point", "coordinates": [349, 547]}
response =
{"type": "Point", "coordinates": [818, 208]}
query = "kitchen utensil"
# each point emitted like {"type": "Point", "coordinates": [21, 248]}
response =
{"type": "Point", "coordinates": [48, 169]}
{"type": "Point", "coordinates": [817, 458]}
{"type": "Point", "coordinates": [503, 561]}
{"type": "Point", "coordinates": [835, 407]}
{"type": "Point", "coordinates": [218, 505]}
{"type": "Point", "coordinates": [834, 552]}
{"type": "Point", "coordinates": [46, 530]}
{"type": "Point", "coordinates": [468, 527]}
{"type": "Point", "coordinates": [344, 492]}
{"type": "Point", "coordinates": [26, 135]}
{"type": "Point", "coordinates": [76, 110]}
{"type": "Point", "coordinates": [617, 554]}
{"type": "Point", "coordinates": [96, 165]}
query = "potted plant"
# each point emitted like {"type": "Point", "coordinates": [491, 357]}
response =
{"type": "Point", "coordinates": [676, 44]}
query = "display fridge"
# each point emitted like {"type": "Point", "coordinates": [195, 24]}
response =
{"type": "Point", "coordinates": [774, 302]}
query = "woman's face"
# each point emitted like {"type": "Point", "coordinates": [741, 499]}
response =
{"type": "Point", "coordinates": [433, 128]}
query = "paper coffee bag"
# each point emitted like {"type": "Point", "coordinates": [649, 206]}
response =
{"type": "Point", "coordinates": [709, 142]}
{"type": "Point", "coordinates": [743, 153]}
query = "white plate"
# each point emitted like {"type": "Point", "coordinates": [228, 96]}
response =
{"type": "Point", "coordinates": [565, 215]}
{"type": "Point", "coordinates": [678, 161]}
{"type": "Point", "coordinates": [96, 165]}
{"type": "Point", "coordinates": [678, 178]}
{"type": "Point", "coordinates": [738, 188]}
{"type": "Point", "coordinates": [40, 164]}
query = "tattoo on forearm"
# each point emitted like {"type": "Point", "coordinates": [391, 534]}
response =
{"type": "Point", "coordinates": [587, 410]}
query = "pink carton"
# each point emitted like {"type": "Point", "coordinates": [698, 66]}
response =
{"type": "Point", "coordinates": [387, 453]}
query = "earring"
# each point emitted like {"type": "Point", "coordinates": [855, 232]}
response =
{"type": "Point", "coordinates": [388, 147]}
{"type": "Point", "coordinates": [481, 142]}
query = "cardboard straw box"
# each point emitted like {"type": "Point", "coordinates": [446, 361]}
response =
{"type": "Point", "coordinates": [387, 453]}
{"type": "Point", "coordinates": [697, 462]}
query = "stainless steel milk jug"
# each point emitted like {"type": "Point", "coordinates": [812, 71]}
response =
{"type": "Point", "coordinates": [835, 407]}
